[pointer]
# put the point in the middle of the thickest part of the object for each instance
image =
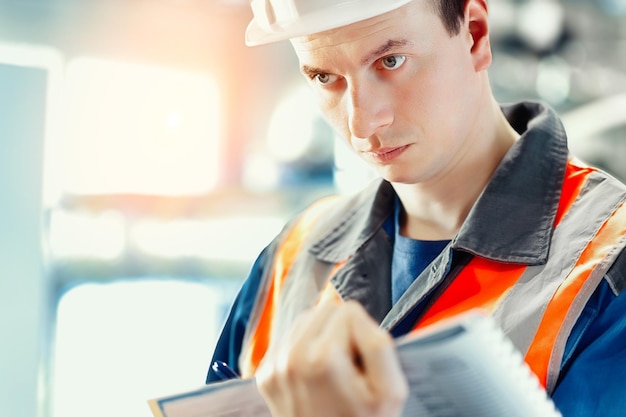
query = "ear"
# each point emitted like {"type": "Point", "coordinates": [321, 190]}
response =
{"type": "Point", "coordinates": [476, 24]}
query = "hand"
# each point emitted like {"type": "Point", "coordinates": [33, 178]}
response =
{"type": "Point", "coordinates": [335, 361]}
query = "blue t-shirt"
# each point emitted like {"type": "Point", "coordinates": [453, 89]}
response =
{"type": "Point", "coordinates": [410, 257]}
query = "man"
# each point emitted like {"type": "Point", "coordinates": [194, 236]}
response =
{"type": "Point", "coordinates": [479, 206]}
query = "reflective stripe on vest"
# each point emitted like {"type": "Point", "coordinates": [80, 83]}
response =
{"type": "Point", "coordinates": [538, 329]}
{"type": "Point", "coordinates": [285, 257]}
{"type": "Point", "coordinates": [545, 354]}
{"type": "Point", "coordinates": [484, 283]}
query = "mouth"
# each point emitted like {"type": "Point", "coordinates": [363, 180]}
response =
{"type": "Point", "coordinates": [385, 155]}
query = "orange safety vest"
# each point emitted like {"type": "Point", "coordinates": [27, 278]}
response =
{"type": "Point", "coordinates": [482, 283]}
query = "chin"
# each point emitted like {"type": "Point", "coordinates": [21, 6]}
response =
{"type": "Point", "coordinates": [399, 178]}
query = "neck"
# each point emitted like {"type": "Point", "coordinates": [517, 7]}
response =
{"type": "Point", "coordinates": [435, 210]}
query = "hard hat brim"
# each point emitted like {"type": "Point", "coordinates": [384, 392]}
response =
{"type": "Point", "coordinates": [341, 15]}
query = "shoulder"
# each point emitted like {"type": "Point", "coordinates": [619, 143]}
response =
{"type": "Point", "coordinates": [337, 213]}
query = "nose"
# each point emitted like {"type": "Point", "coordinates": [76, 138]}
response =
{"type": "Point", "coordinates": [369, 110]}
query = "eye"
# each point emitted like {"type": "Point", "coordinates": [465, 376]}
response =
{"type": "Point", "coordinates": [325, 79]}
{"type": "Point", "coordinates": [393, 62]}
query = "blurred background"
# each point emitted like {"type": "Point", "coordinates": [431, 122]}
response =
{"type": "Point", "coordinates": [147, 156]}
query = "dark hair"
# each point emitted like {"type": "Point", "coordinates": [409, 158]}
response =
{"type": "Point", "coordinates": [451, 13]}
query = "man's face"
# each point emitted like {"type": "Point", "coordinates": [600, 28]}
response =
{"type": "Point", "coordinates": [399, 88]}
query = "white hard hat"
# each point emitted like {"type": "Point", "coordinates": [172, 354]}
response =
{"type": "Point", "coordinates": [277, 20]}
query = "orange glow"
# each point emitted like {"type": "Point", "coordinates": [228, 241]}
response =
{"type": "Point", "coordinates": [139, 129]}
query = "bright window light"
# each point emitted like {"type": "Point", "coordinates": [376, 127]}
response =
{"type": "Point", "coordinates": [138, 129]}
{"type": "Point", "coordinates": [206, 238]}
{"type": "Point", "coordinates": [119, 344]}
{"type": "Point", "coordinates": [540, 22]}
{"type": "Point", "coordinates": [553, 80]}
{"type": "Point", "coordinates": [260, 172]}
{"type": "Point", "coordinates": [289, 141]}
{"type": "Point", "coordinates": [82, 235]}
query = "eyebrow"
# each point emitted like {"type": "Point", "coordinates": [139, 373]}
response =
{"type": "Point", "coordinates": [312, 71]}
{"type": "Point", "coordinates": [383, 49]}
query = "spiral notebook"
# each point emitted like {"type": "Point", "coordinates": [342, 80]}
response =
{"type": "Point", "coordinates": [461, 367]}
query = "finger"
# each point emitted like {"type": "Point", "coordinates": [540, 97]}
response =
{"type": "Point", "coordinates": [379, 358]}
{"type": "Point", "coordinates": [272, 387]}
{"type": "Point", "coordinates": [285, 371]}
{"type": "Point", "coordinates": [319, 343]}
{"type": "Point", "coordinates": [331, 378]}
{"type": "Point", "coordinates": [306, 327]}
{"type": "Point", "coordinates": [358, 368]}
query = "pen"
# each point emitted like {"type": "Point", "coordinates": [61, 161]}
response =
{"type": "Point", "coordinates": [223, 371]}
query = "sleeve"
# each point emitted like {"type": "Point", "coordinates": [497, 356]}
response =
{"type": "Point", "coordinates": [229, 342]}
{"type": "Point", "coordinates": [594, 365]}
